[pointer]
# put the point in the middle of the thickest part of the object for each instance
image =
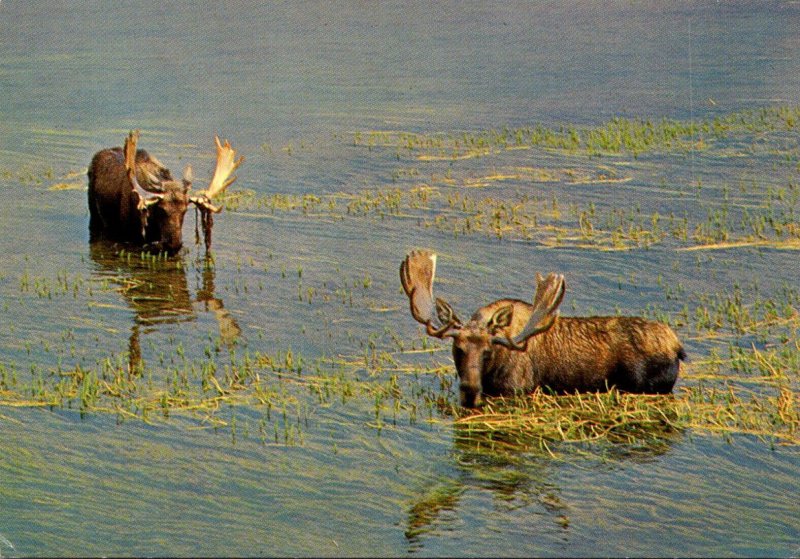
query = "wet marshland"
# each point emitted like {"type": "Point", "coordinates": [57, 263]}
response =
{"type": "Point", "coordinates": [276, 397]}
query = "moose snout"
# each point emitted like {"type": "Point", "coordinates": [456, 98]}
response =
{"type": "Point", "coordinates": [470, 394]}
{"type": "Point", "coordinates": [171, 248]}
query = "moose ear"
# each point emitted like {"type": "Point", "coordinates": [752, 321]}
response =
{"type": "Point", "coordinates": [445, 312]}
{"type": "Point", "coordinates": [500, 319]}
{"type": "Point", "coordinates": [187, 179]}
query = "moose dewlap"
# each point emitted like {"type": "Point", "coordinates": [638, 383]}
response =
{"type": "Point", "coordinates": [510, 346]}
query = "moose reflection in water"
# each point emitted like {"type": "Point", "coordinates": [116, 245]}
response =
{"type": "Point", "coordinates": [516, 471]}
{"type": "Point", "coordinates": [157, 291]}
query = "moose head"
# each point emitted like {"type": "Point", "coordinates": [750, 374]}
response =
{"type": "Point", "coordinates": [163, 207]}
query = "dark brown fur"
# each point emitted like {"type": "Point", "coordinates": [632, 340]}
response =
{"type": "Point", "coordinates": [113, 212]}
{"type": "Point", "coordinates": [576, 354]}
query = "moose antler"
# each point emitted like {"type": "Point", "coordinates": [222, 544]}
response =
{"type": "Point", "coordinates": [549, 294]}
{"type": "Point", "coordinates": [222, 179]}
{"type": "Point", "coordinates": [146, 198]}
{"type": "Point", "coordinates": [416, 274]}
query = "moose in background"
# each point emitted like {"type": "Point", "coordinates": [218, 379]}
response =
{"type": "Point", "coordinates": [134, 199]}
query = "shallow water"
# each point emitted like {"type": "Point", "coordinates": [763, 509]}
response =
{"type": "Point", "coordinates": [294, 88]}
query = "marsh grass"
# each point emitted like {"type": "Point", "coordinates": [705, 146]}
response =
{"type": "Point", "coordinates": [547, 421]}
{"type": "Point", "coordinates": [742, 379]}
{"type": "Point", "coordinates": [39, 175]}
{"type": "Point", "coordinates": [557, 204]}
{"type": "Point", "coordinates": [545, 220]}
{"type": "Point", "coordinates": [618, 135]}
{"type": "Point", "coordinates": [751, 392]}
{"type": "Point", "coordinates": [286, 386]}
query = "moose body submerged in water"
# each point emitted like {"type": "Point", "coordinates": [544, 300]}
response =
{"type": "Point", "coordinates": [134, 199]}
{"type": "Point", "coordinates": [510, 346]}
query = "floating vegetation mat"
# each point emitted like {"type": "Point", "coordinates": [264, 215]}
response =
{"type": "Point", "coordinates": [634, 420]}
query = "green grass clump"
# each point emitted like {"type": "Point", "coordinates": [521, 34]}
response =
{"type": "Point", "coordinates": [545, 421]}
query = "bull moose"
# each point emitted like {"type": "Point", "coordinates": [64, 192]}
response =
{"type": "Point", "coordinates": [134, 199]}
{"type": "Point", "coordinates": [510, 346]}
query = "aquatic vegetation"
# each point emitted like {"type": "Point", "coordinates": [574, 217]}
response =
{"type": "Point", "coordinates": [736, 388]}
{"type": "Point", "coordinates": [757, 397]}
{"type": "Point", "coordinates": [544, 186]}
{"type": "Point", "coordinates": [563, 198]}
{"type": "Point", "coordinates": [546, 420]}
{"type": "Point", "coordinates": [542, 220]}
{"type": "Point", "coordinates": [618, 135]}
